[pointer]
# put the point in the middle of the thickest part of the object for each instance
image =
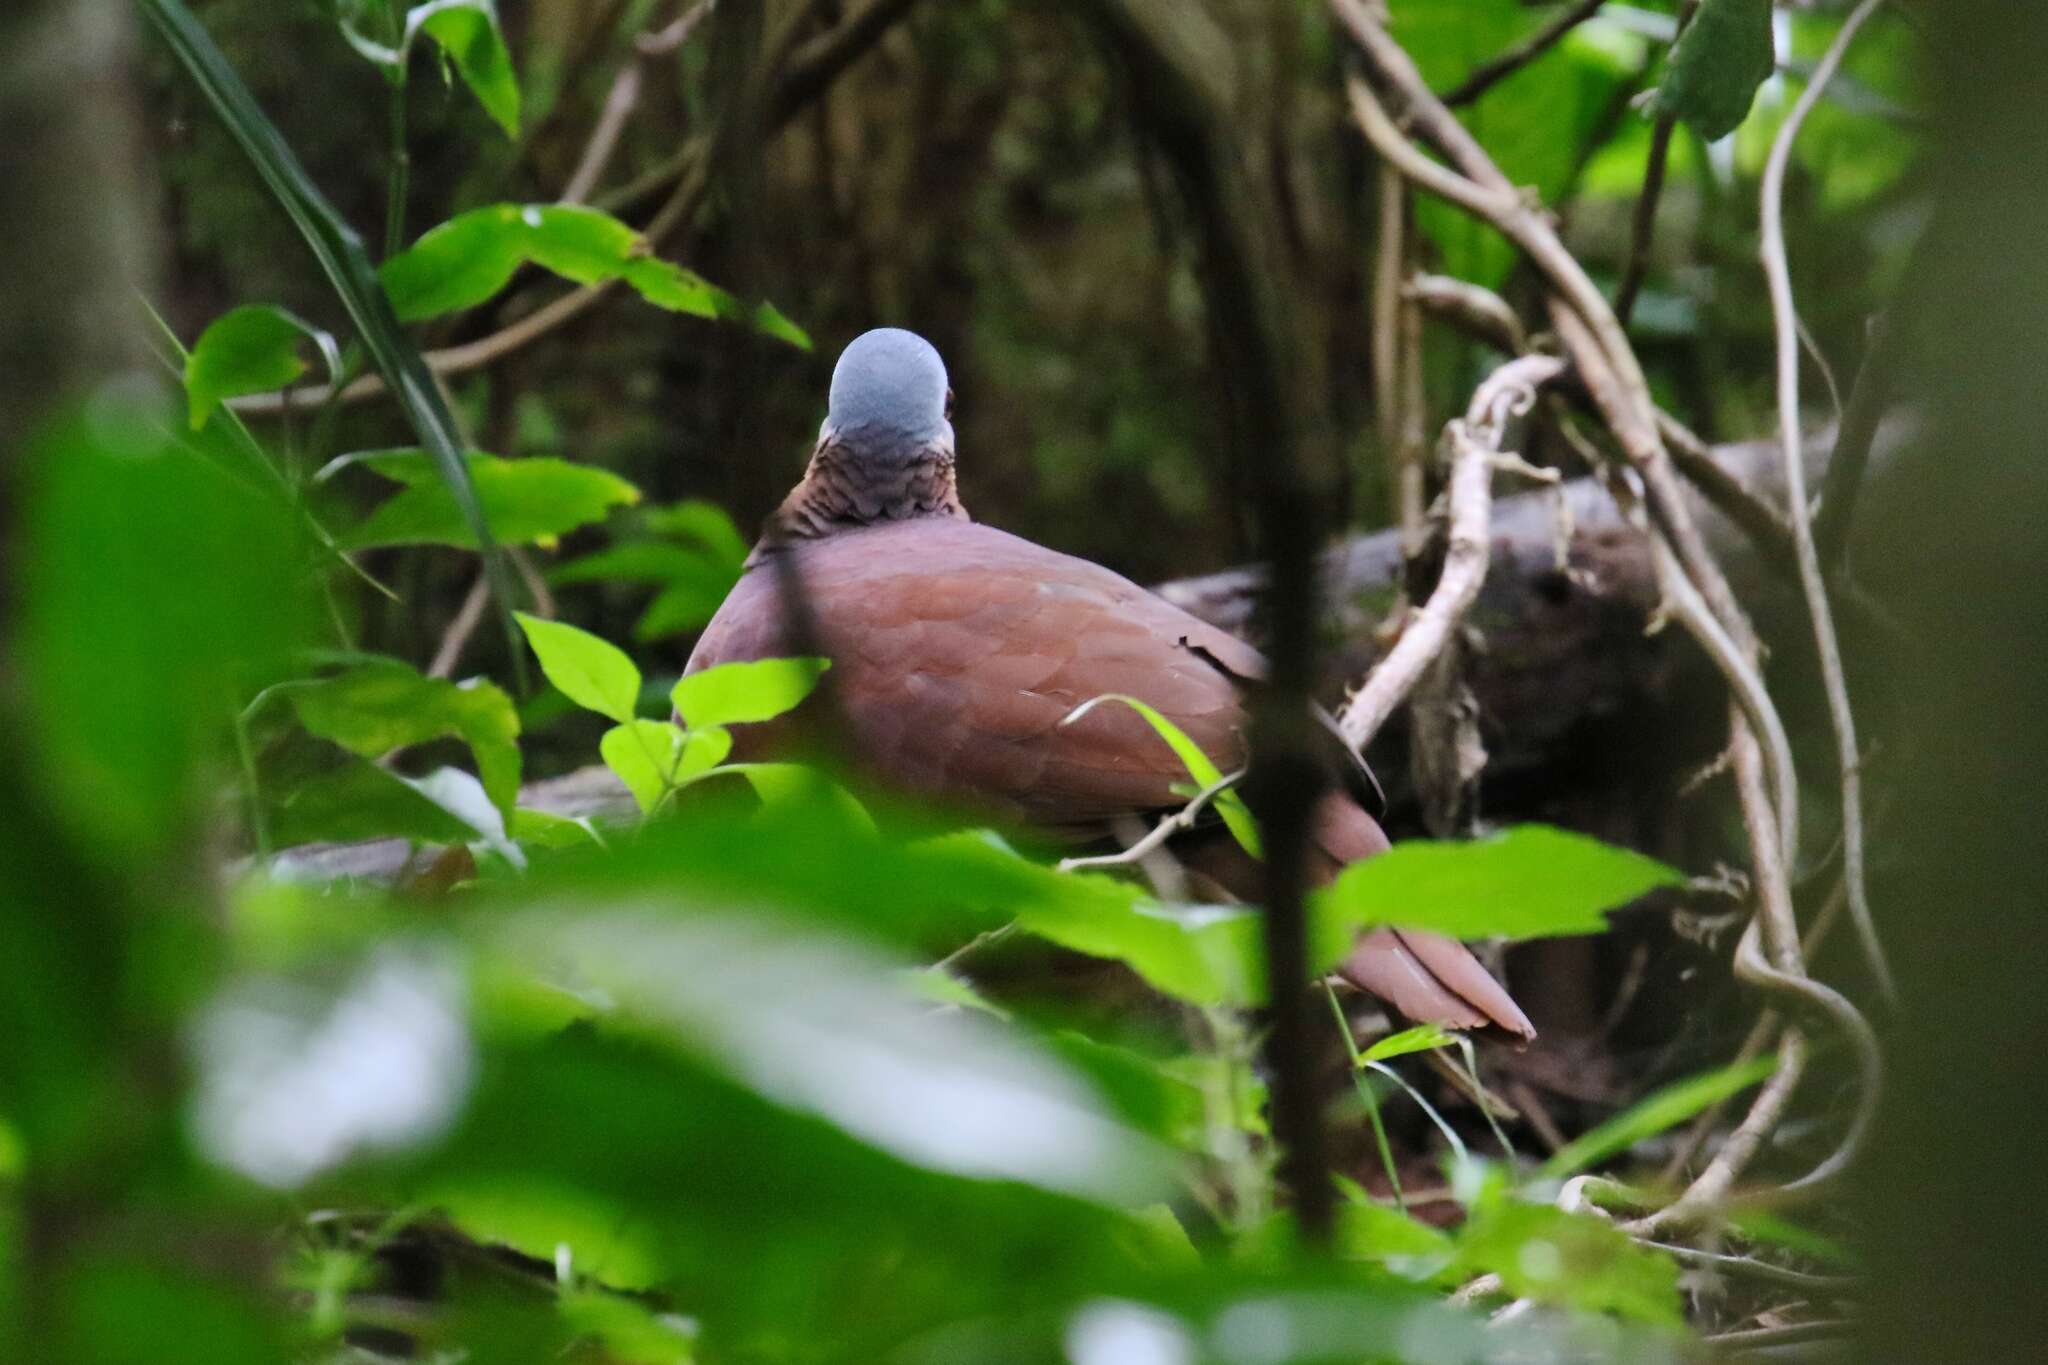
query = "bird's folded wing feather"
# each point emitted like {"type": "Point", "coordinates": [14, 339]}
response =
{"type": "Point", "coordinates": [959, 651]}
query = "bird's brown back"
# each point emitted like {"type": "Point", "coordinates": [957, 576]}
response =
{"type": "Point", "coordinates": [958, 651]}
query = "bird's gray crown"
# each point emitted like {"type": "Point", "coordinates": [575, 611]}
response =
{"type": "Point", "coordinates": [889, 393]}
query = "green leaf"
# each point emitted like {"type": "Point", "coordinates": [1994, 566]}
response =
{"type": "Point", "coordinates": [1665, 1108]}
{"type": "Point", "coordinates": [784, 789]}
{"type": "Point", "coordinates": [594, 674]}
{"type": "Point", "coordinates": [530, 501]}
{"type": "Point", "coordinates": [473, 255]}
{"type": "Point", "coordinates": [156, 593]}
{"type": "Point", "coordinates": [820, 1024]}
{"type": "Point", "coordinates": [1205, 955]}
{"type": "Point", "coordinates": [544, 829]}
{"type": "Point", "coordinates": [608, 1242]}
{"type": "Point", "coordinates": [1577, 1260]}
{"type": "Point", "coordinates": [1236, 815]}
{"type": "Point", "coordinates": [769, 320]}
{"type": "Point", "coordinates": [340, 253]}
{"type": "Point", "coordinates": [359, 802]}
{"type": "Point", "coordinates": [1717, 65]}
{"type": "Point", "coordinates": [468, 32]}
{"type": "Point", "coordinates": [110, 1306]}
{"type": "Point", "coordinates": [1529, 882]}
{"type": "Point", "coordinates": [373, 709]}
{"type": "Point", "coordinates": [704, 524]}
{"type": "Point", "coordinates": [652, 757]}
{"type": "Point", "coordinates": [639, 561]}
{"type": "Point", "coordinates": [630, 1332]}
{"type": "Point", "coordinates": [738, 694]}
{"type": "Point", "coordinates": [251, 349]}
{"type": "Point", "coordinates": [695, 583]}
{"type": "Point", "coordinates": [1412, 1249]}
{"type": "Point", "coordinates": [1421, 1038]}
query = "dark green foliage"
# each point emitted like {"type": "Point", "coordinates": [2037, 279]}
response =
{"type": "Point", "coordinates": [1717, 65]}
{"type": "Point", "coordinates": [755, 1070]}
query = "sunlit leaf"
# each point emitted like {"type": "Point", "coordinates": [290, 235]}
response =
{"type": "Point", "coordinates": [467, 30]}
{"type": "Point", "coordinates": [1421, 1038]}
{"type": "Point", "coordinates": [473, 255]}
{"type": "Point", "coordinates": [1528, 882]}
{"type": "Point", "coordinates": [593, 673]}
{"type": "Point", "coordinates": [608, 1243]}
{"type": "Point", "coordinates": [738, 694]}
{"type": "Point", "coordinates": [543, 829]}
{"type": "Point", "coordinates": [529, 501]}
{"type": "Point", "coordinates": [1719, 62]}
{"type": "Point", "coordinates": [631, 1332]}
{"type": "Point", "coordinates": [378, 707]}
{"type": "Point", "coordinates": [653, 756]}
{"type": "Point", "coordinates": [252, 349]}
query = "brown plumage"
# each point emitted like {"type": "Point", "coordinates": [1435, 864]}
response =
{"type": "Point", "coordinates": [958, 650]}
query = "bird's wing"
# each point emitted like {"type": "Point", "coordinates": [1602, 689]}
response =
{"type": "Point", "coordinates": [958, 651]}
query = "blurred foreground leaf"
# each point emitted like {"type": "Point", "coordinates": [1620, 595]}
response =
{"type": "Point", "coordinates": [157, 593]}
{"type": "Point", "coordinates": [1528, 882]}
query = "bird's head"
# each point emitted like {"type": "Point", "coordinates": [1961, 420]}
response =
{"type": "Point", "coordinates": [889, 397]}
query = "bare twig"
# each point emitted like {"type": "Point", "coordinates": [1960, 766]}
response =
{"type": "Point", "coordinates": [1784, 315]}
{"type": "Point", "coordinates": [1869, 395]}
{"type": "Point", "coordinates": [1508, 393]}
{"type": "Point", "coordinates": [1749, 1267]}
{"type": "Point", "coordinates": [1760, 1035]}
{"type": "Point", "coordinates": [665, 41]}
{"type": "Point", "coordinates": [1473, 307]}
{"type": "Point", "coordinates": [460, 629]}
{"type": "Point", "coordinates": [1788, 1335]}
{"type": "Point", "coordinates": [1731, 497]}
{"type": "Point", "coordinates": [1487, 74]}
{"type": "Point", "coordinates": [1643, 224]}
{"type": "Point", "coordinates": [1696, 590]}
{"type": "Point", "coordinates": [1184, 818]}
{"type": "Point", "coordinates": [1395, 367]}
{"type": "Point", "coordinates": [619, 104]}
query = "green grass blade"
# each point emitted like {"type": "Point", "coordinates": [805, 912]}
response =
{"type": "Point", "coordinates": [347, 266]}
{"type": "Point", "coordinates": [1663, 1109]}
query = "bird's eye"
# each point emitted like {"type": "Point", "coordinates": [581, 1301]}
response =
{"type": "Point", "coordinates": [949, 405]}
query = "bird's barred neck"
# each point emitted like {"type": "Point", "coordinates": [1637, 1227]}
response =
{"type": "Point", "coordinates": [841, 491]}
